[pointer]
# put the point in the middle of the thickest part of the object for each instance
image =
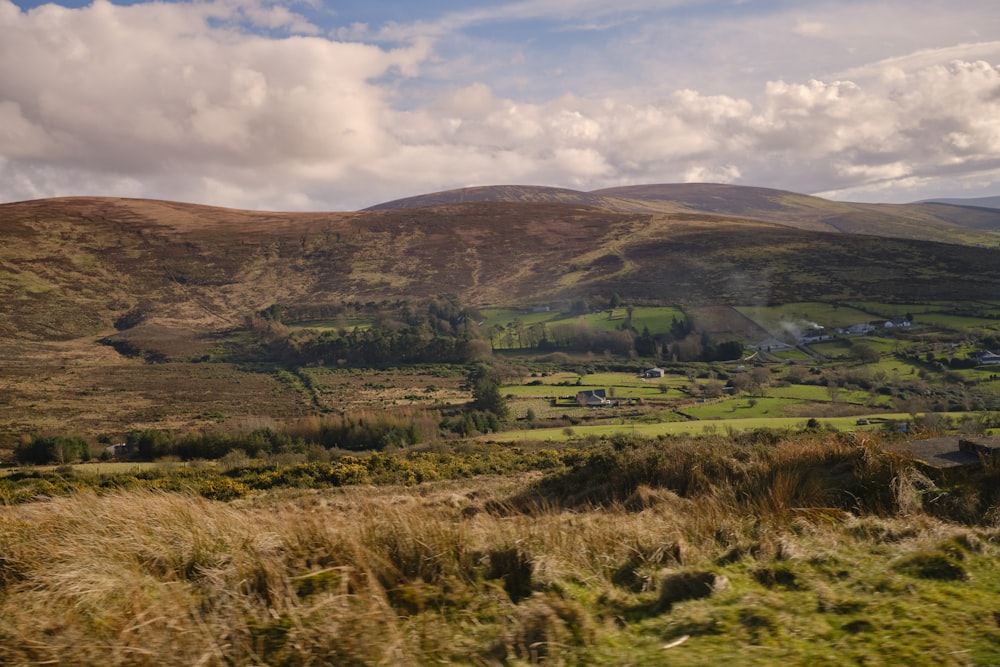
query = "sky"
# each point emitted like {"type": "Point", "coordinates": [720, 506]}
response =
{"type": "Point", "coordinates": [335, 106]}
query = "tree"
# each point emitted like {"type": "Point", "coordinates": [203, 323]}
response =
{"type": "Point", "coordinates": [760, 378]}
{"type": "Point", "coordinates": [645, 344]}
{"type": "Point", "coordinates": [864, 353]}
{"type": "Point", "coordinates": [485, 384]}
{"type": "Point", "coordinates": [741, 382]}
{"type": "Point", "coordinates": [40, 450]}
{"type": "Point", "coordinates": [713, 389]}
{"type": "Point", "coordinates": [496, 332]}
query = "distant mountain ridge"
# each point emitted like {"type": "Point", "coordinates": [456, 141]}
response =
{"type": "Point", "coordinates": [928, 220]}
{"type": "Point", "coordinates": [978, 202]}
{"type": "Point", "coordinates": [493, 193]}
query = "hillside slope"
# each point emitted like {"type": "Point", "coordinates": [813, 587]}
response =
{"type": "Point", "coordinates": [978, 202]}
{"type": "Point", "coordinates": [83, 266]}
{"type": "Point", "coordinates": [926, 221]}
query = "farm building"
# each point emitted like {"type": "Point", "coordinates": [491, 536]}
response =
{"type": "Point", "coordinates": [653, 373]}
{"type": "Point", "coordinates": [120, 449]}
{"type": "Point", "coordinates": [815, 336]}
{"type": "Point", "coordinates": [857, 329]}
{"type": "Point", "coordinates": [592, 398]}
{"type": "Point", "coordinates": [987, 358]}
{"type": "Point", "coordinates": [771, 345]}
{"type": "Point", "coordinates": [951, 451]}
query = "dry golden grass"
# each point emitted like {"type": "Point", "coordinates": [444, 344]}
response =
{"type": "Point", "coordinates": [450, 573]}
{"type": "Point", "coordinates": [150, 578]}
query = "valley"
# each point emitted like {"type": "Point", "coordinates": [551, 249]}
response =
{"type": "Point", "coordinates": [510, 425]}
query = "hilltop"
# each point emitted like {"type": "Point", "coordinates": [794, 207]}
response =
{"type": "Point", "coordinates": [932, 220]}
{"type": "Point", "coordinates": [978, 202]}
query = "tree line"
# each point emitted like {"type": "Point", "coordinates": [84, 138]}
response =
{"type": "Point", "coordinates": [442, 330]}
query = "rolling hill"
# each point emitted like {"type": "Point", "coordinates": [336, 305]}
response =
{"type": "Point", "coordinates": [978, 202]}
{"type": "Point", "coordinates": [82, 267]}
{"type": "Point", "coordinates": [927, 221]}
{"type": "Point", "coordinates": [178, 282]}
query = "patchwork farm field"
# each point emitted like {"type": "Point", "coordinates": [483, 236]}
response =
{"type": "Point", "coordinates": [78, 388]}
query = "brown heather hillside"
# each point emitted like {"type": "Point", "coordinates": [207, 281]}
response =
{"type": "Point", "coordinates": [74, 267]}
{"type": "Point", "coordinates": [81, 267]}
{"type": "Point", "coordinates": [927, 221]}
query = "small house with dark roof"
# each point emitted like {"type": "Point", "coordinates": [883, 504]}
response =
{"type": "Point", "coordinates": [592, 398]}
{"type": "Point", "coordinates": [987, 358]}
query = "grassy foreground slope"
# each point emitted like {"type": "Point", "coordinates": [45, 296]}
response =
{"type": "Point", "coordinates": [683, 552]}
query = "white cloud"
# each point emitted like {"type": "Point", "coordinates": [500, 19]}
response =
{"type": "Point", "coordinates": [184, 101]}
{"type": "Point", "coordinates": [156, 90]}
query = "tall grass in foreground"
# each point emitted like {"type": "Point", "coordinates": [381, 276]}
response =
{"type": "Point", "coordinates": [746, 552]}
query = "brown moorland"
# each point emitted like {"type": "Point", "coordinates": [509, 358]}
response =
{"type": "Point", "coordinates": [80, 267]}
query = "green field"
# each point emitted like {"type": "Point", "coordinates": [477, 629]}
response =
{"type": "Point", "coordinates": [791, 355]}
{"type": "Point", "coordinates": [658, 319]}
{"type": "Point", "coordinates": [897, 310]}
{"type": "Point", "coordinates": [778, 318]}
{"type": "Point", "coordinates": [698, 427]}
{"type": "Point", "coordinates": [618, 385]}
{"type": "Point", "coordinates": [953, 321]}
{"type": "Point", "coordinates": [335, 324]}
{"type": "Point", "coordinates": [677, 428]}
{"type": "Point", "coordinates": [504, 316]}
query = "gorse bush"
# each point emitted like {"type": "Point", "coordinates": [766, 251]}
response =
{"type": "Point", "coordinates": [241, 475]}
{"type": "Point", "coordinates": [763, 473]}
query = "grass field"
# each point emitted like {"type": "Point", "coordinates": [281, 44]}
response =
{"type": "Point", "coordinates": [792, 355]}
{"type": "Point", "coordinates": [953, 321]}
{"type": "Point", "coordinates": [897, 311]}
{"type": "Point", "coordinates": [796, 316]}
{"type": "Point", "coordinates": [696, 427]}
{"type": "Point", "coordinates": [335, 324]}
{"type": "Point", "coordinates": [106, 467]}
{"type": "Point", "coordinates": [657, 319]}
{"type": "Point", "coordinates": [736, 424]}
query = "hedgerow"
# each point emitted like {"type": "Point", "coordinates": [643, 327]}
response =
{"type": "Point", "coordinates": [405, 468]}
